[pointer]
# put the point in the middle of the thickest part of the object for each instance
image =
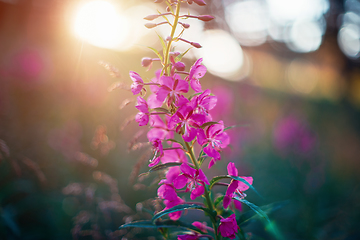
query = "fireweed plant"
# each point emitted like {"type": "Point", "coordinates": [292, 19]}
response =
{"type": "Point", "coordinates": [177, 113]}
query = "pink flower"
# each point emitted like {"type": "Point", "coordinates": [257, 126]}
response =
{"type": "Point", "coordinates": [216, 138]}
{"type": "Point", "coordinates": [196, 71]}
{"type": "Point", "coordinates": [137, 84]}
{"type": "Point", "coordinates": [193, 236]}
{"type": "Point", "coordinates": [193, 179]}
{"type": "Point", "coordinates": [203, 103]}
{"type": "Point", "coordinates": [235, 188]}
{"type": "Point", "coordinates": [228, 227]}
{"type": "Point", "coordinates": [174, 155]}
{"type": "Point", "coordinates": [172, 203]}
{"type": "Point", "coordinates": [167, 192]}
{"type": "Point", "coordinates": [171, 88]}
{"type": "Point", "coordinates": [158, 151]}
{"type": "Point", "coordinates": [143, 116]}
{"type": "Point", "coordinates": [187, 121]}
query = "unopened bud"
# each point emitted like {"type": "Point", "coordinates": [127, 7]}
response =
{"type": "Point", "coordinates": [205, 18]}
{"type": "Point", "coordinates": [180, 66]}
{"type": "Point", "coordinates": [146, 61]}
{"type": "Point", "coordinates": [150, 25]}
{"type": "Point", "coordinates": [158, 1]}
{"type": "Point", "coordinates": [175, 54]}
{"type": "Point", "coordinates": [189, 1]}
{"type": "Point", "coordinates": [200, 2]}
{"type": "Point", "coordinates": [168, 38]}
{"type": "Point", "coordinates": [185, 25]}
{"type": "Point", "coordinates": [197, 45]}
{"type": "Point", "coordinates": [151, 17]}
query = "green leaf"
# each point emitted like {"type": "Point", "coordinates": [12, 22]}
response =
{"type": "Point", "coordinates": [163, 44]}
{"type": "Point", "coordinates": [161, 224]}
{"type": "Point", "coordinates": [160, 167]}
{"type": "Point", "coordinates": [163, 166]}
{"type": "Point", "coordinates": [160, 109]}
{"type": "Point", "coordinates": [249, 215]}
{"type": "Point", "coordinates": [141, 224]}
{"type": "Point", "coordinates": [157, 53]}
{"type": "Point", "coordinates": [234, 126]}
{"type": "Point", "coordinates": [255, 208]}
{"type": "Point", "coordinates": [181, 208]}
{"type": "Point", "coordinates": [178, 58]}
{"type": "Point", "coordinates": [218, 178]}
{"type": "Point", "coordinates": [218, 200]}
{"type": "Point", "coordinates": [208, 124]}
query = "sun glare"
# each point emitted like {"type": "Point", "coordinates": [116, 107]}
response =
{"type": "Point", "coordinates": [99, 23]}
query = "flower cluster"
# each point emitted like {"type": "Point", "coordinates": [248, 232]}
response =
{"type": "Point", "coordinates": [177, 111]}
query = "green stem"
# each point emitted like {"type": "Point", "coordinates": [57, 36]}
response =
{"type": "Point", "coordinates": [166, 56]}
{"type": "Point", "coordinates": [207, 193]}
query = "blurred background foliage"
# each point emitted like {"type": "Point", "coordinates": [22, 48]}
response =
{"type": "Point", "coordinates": [286, 71]}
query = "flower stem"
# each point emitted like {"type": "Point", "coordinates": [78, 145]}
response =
{"type": "Point", "coordinates": [166, 56]}
{"type": "Point", "coordinates": [207, 193]}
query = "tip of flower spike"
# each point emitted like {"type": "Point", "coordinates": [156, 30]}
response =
{"type": "Point", "coordinates": [205, 18]}
{"type": "Point", "coordinates": [150, 25]}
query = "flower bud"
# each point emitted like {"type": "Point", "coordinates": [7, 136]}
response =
{"type": "Point", "coordinates": [174, 54]}
{"type": "Point", "coordinates": [189, 1]}
{"type": "Point", "coordinates": [150, 25]}
{"type": "Point", "coordinates": [205, 18]}
{"type": "Point", "coordinates": [168, 38]}
{"type": "Point", "coordinates": [197, 45]}
{"type": "Point", "coordinates": [146, 61]}
{"type": "Point", "coordinates": [158, 1]}
{"type": "Point", "coordinates": [180, 66]}
{"type": "Point", "coordinates": [185, 25]}
{"type": "Point", "coordinates": [200, 2]}
{"type": "Point", "coordinates": [151, 17]}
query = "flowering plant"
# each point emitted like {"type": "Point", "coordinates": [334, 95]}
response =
{"type": "Point", "coordinates": [179, 121]}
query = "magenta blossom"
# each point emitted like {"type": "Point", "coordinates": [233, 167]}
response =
{"type": "Point", "coordinates": [203, 103]}
{"type": "Point", "coordinates": [159, 128]}
{"type": "Point", "coordinates": [235, 188]}
{"type": "Point", "coordinates": [137, 84]}
{"type": "Point", "coordinates": [143, 116]}
{"type": "Point", "coordinates": [158, 151]}
{"type": "Point", "coordinates": [196, 71]}
{"type": "Point", "coordinates": [228, 227]}
{"type": "Point", "coordinates": [171, 88]}
{"type": "Point", "coordinates": [216, 139]}
{"type": "Point", "coordinates": [193, 236]}
{"type": "Point", "coordinates": [167, 192]}
{"type": "Point", "coordinates": [193, 179]}
{"type": "Point", "coordinates": [188, 122]}
{"type": "Point", "coordinates": [174, 155]}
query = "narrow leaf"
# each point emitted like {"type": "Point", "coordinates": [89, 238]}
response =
{"type": "Point", "coordinates": [234, 126]}
{"type": "Point", "coordinates": [208, 124]}
{"type": "Point", "coordinates": [157, 53]}
{"type": "Point", "coordinates": [180, 56]}
{"type": "Point", "coordinates": [218, 178]}
{"type": "Point", "coordinates": [249, 215]}
{"type": "Point", "coordinates": [163, 166]}
{"type": "Point", "coordinates": [161, 224]}
{"type": "Point", "coordinates": [160, 167]}
{"type": "Point", "coordinates": [218, 200]}
{"type": "Point", "coordinates": [163, 44]}
{"type": "Point", "coordinates": [141, 224]}
{"type": "Point", "coordinates": [255, 208]}
{"type": "Point", "coordinates": [160, 109]}
{"type": "Point", "coordinates": [181, 208]}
